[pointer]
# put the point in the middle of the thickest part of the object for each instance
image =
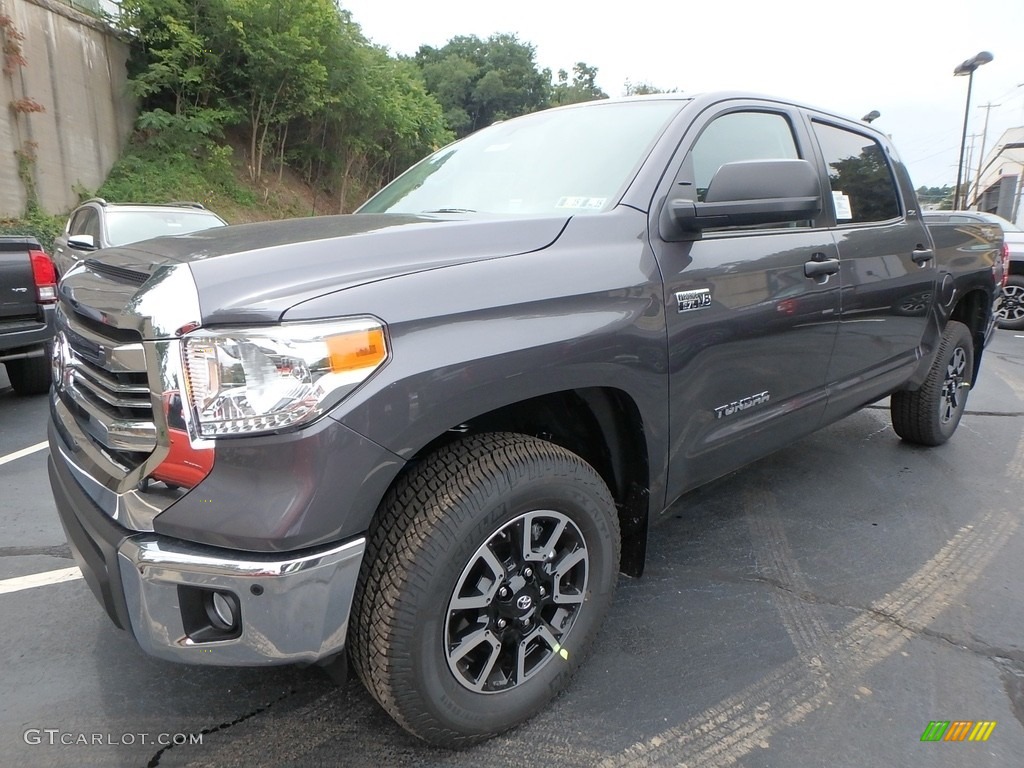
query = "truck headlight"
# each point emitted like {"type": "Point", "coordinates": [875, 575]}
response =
{"type": "Point", "coordinates": [245, 381]}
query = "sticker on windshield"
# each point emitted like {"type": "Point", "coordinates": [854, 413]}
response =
{"type": "Point", "coordinates": [844, 212]}
{"type": "Point", "coordinates": [582, 203]}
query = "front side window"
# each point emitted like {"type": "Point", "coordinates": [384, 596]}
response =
{"type": "Point", "coordinates": [86, 222]}
{"type": "Point", "coordinates": [739, 136]}
{"type": "Point", "coordinates": [863, 188]}
{"type": "Point", "coordinates": [568, 161]}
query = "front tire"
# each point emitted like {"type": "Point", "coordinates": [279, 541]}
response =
{"type": "Point", "coordinates": [930, 415]}
{"type": "Point", "coordinates": [1010, 313]}
{"type": "Point", "coordinates": [490, 568]}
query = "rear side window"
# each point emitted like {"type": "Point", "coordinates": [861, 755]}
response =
{"type": "Point", "coordinates": [863, 188]}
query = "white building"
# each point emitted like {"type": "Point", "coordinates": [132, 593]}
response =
{"type": "Point", "coordinates": [1002, 178]}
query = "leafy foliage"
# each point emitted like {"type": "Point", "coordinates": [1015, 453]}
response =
{"type": "Point", "coordinates": [295, 77]}
{"type": "Point", "coordinates": [147, 172]}
{"type": "Point", "coordinates": [940, 196]}
{"type": "Point", "coordinates": [298, 81]}
{"type": "Point", "coordinates": [479, 81]}
{"type": "Point", "coordinates": [583, 86]}
{"type": "Point", "coordinates": [35, 223]}
{"type": "Point", "coordinates": [644, 89]}
{"type": "Point", "coordinates": [175, 69]}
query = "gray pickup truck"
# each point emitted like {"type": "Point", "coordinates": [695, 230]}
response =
{"type": "Point", "coordinates": [428, 436]}
{"type": "Point", "coordinates": [28, 295]}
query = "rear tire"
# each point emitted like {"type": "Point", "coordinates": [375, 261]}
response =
{"type": "Point", "coordinates": [1010, 313]}
{"type": "Point", "coordinates": [930, 415]}
{"type": "Point", "coordinates": [490, 567]}
{"type": "Point", "coordinates": [30, 375]}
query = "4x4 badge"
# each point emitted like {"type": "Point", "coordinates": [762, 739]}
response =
{"type": "Point", "coordinates": [690, 300]}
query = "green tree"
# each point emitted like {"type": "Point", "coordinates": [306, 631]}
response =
{"type": "Point", "coordinates": [380, 120]}
{"type": "Point", "coordinates": [936, 196]}
{"type": "Point", "coordinates": [277, 52]}
{"type": "Point", "coordinates": [296, 78]}
{"type": "Point", "coordinates": [644, 89]}
{"type": "Point", "coordinates": [480, 81]}
{"type": "Point", "coordinates": [174, 68]}
{"type": "Point", "coordinates": [583, 86]}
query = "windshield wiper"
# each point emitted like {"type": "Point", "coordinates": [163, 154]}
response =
{"type": "Point", "coordinates": [451, 210]}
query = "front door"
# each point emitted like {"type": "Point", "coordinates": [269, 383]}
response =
{"type": "Point", "coordinates": [750, 334]}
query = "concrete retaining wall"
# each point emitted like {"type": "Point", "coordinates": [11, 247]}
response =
{"type": "Point", "coordinates": [76, 70]}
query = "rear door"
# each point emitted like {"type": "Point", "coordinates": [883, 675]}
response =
{"type": "Point", "coordinates": [888, 269]}
{"type": "Point", "coordinates": [750, 335]}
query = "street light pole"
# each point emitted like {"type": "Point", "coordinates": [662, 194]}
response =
{"type": "Point", "coordinates": [966, 68]}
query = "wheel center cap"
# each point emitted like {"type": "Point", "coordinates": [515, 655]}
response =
{"type": "Point", "coordinates": [524, 603]}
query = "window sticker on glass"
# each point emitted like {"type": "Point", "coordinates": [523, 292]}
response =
{"type": "Point", "coordinates": [844, 212]}
{"type": "Point", "coordinates": [584, 203]}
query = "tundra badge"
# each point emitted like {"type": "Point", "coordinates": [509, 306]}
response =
{"type": "Point", "coordinates": [742, 404]}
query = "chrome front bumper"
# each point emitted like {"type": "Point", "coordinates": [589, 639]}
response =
{"type": "Point", "coordinates": [289, 610]}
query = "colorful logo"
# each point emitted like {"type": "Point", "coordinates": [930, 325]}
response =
{"type": "Point", "coordinates": [958, 730]}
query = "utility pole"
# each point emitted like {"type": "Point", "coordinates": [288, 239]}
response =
{"type": "Point", "coordinates": [1020, 194]}
{"type": "Point", "coordinates": [981, 155]}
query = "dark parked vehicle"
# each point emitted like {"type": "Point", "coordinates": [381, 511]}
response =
{"type": "Point", "coordinates": [431, 434]}
{"type": "Point", "coordinates": [28, 295]}
{"type": "Point", "coordinates": [1010, 309]}
{"type": "Point", "coordinates": [98, 224]}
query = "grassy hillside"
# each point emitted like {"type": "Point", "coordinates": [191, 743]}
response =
{"type": "Point", "coordinates": [216, 177]}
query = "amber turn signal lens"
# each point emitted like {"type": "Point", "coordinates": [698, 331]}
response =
{"type": "Point", "coordinates": [357, 349]}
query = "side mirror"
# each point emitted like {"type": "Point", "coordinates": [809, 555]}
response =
{"type": "Point", "coordinates": [82, 242]}
{"type": "Point", "coordinates": [746, 193]}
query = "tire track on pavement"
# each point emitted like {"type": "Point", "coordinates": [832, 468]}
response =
{"type": "Point", "coordinates": [723, 734]}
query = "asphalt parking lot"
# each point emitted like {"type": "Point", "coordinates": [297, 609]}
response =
{"type": "Point", "coordinates": [819, 608]}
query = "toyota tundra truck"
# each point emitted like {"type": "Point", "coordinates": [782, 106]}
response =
{"type": "Point", "coordinates": [424, 439]}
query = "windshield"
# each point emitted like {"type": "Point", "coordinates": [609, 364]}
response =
{"type": "Point", "coordinates": [561, 161]}
{"type": "Point", "coordinates": [125, 227]}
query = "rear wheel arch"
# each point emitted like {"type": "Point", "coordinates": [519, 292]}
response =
{"type": "Point", "coordinates": [974, 309]}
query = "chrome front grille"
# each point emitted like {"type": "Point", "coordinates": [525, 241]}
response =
{"type": "Point", "coordinates": [103, 382]}
{"type": "Point", "coordinates": [118, 380]}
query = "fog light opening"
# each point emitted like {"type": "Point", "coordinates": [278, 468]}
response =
{"type": "Point", "coordinates": [222, 610]}
{"type": "Point", "coordinates": [209, 615]}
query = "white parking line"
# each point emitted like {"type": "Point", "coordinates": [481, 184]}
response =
{"type": "Point", "coordinates": [23, 452]}
{"type": "Point", "coordinates": [39, 580]}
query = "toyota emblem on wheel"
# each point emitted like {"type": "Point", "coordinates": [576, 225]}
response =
{"type": "Point", "coordinates": [524, 602]}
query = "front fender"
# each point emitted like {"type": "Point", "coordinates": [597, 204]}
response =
{"type": "Point", "coordinates": [469, 339]}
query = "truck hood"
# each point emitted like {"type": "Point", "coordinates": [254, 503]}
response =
{"type": "Point", "coordinates": [252, 273]}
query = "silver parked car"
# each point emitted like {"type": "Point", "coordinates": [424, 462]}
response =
{"type": "Point", "coordinates": [98, 224]}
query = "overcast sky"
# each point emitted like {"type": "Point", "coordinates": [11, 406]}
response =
{"type": "Point", "coordinates": [896, 56]}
